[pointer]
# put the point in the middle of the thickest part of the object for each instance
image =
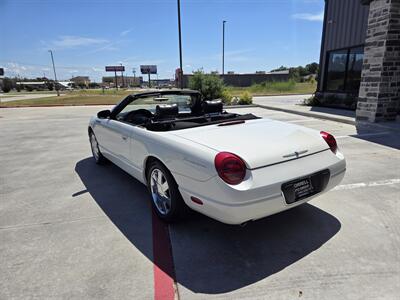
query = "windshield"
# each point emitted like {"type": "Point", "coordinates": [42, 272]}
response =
{"type": "Point", "coordinates": [150, 102]}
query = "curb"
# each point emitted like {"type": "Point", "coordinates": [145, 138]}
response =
{"type": "Point", "coordinates": [309, 114]}
{"type": "Point", "coordinates": [277, 95]}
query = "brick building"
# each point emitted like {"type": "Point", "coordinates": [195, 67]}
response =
{"type": "Point", "coordinates": [81, 80]}
{"type": "Point", "coordinates": [125, 81]}
{"type": "Point", "coordinates": [360, 57]}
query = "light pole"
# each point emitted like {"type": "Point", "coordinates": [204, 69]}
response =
{"type": "Point", "coordinates": [122, 76]}
{"type": "Point", "coordinates": [134, 76]}
{"type": "Point", "coordinates": [180, 46]}
{"type": "Point", "coordinates": [55, 75]}
{"type": "Point", "coordinates": [223, 47]}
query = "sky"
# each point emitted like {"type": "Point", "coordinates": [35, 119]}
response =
{"type": "Point", "coordinates": [87, 35]}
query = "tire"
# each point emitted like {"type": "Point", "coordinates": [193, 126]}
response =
{"type": "Point", "coordinates": [166, 199]}
{"type": "Point", "coordinates": [94, 146]}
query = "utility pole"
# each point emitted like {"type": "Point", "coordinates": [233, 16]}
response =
{"type": "Point", "coordinates": [180, 45]}
{"type": "Point", "coordinates": [223, 47]}
{"type": "Point", "coordinates": [55, 75]}
{"type": "Point", "coordinates": [134, 76]}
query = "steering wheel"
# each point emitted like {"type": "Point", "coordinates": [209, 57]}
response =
{"type": "Point", "coordinates": [137, 117]}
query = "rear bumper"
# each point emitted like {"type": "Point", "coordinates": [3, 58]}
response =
{"type": "Point", "coordinates": [260, 195]}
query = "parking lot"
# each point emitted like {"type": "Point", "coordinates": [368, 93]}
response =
{"type": "Point", "coordinates": [74, 230]}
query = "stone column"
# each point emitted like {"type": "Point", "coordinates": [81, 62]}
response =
{"type": "Point", "coordinates": [379, 97]}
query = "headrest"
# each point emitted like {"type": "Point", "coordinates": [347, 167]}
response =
{"type": "Point", "coordinates": [214, 106]}
{"type": "Point", "coordinates": [167, 111]}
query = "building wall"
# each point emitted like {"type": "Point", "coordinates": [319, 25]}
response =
{"type": "Point", "coordinates": [128, 80]}
{"type": "Point", "coordinates": [345, 25]}
{"type": "Point", "coordinates": [379, 96]}
{"type": "Point", "coordinates": [81, 80]}
{"type": "Point", "coordinates": [245, 80]}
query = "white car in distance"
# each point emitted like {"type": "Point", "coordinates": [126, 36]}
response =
{"type": "Point", "coordinates": [233, 168]}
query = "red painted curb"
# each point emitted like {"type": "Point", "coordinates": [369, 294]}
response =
{"type": "Point", "coordinates": [164, 270]}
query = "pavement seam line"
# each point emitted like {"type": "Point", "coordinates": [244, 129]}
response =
{"type": "Point", "coordinates": [56, 222]}
{"type": "Point", "coordinates": [308, 114]}
{"type": "Point", "coordinates": [352, 186]}
{"type": "Point", "coordinates": [362, 135]}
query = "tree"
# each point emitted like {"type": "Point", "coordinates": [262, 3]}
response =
{"type": "Point", "coordinates": [50, 85]}
{"type": "Point", "coordinates": [209, 85]}
{"type": "Point", "coordinates": [312, 68]}
{"type": "Point", "coordinates": [94, 85]}
{"type": "Point", "coordinates": [296, 73]}
{"type": "Point", "coordinates": [281, 68]}
{"type": "Point", "coordinates": [7, 85]}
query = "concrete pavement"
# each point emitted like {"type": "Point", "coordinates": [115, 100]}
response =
{"type": "Point", "coordinates": [28, 96]}
{"type": "Point", "coordinates": [284, 100]}
{"type": "Point", "coordinates": [293, 104]}
{"type": "Point", "coordinates": [70, 229]}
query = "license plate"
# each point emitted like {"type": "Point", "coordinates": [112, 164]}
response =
{"type": "Point", "coordinates": [299, 189]}
{"type": "Point", "coordinates": [303, 188]}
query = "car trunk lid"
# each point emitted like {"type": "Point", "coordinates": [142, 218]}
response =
{"type": "Point", "coordinates": [260, 142]}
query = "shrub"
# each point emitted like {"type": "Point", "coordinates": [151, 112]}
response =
{"type": "Point", "coordinates": [312, 101]}
{"type": "Point", "coordinates": [226, 97]}
{"type": "Point", "coordinates": [245, 99]}
{"type": "Point", "coordinates": [209, 85]}
{"type": "Point", "coordinates": [312, 80]}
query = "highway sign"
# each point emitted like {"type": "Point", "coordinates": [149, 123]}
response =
{"type": "Point", "coordinates": [148, 69]}
{"type": "Point", "coordinates": [115, 69]}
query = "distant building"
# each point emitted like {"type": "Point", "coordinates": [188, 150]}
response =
{"type": "Point", "coordinates": [43, 85]}
{"type": "Point", "coordinates": [244, 80]}
{"type": "Point", "coordinates": [81, 81]}
{"type": "Point", "coordinates": [126, 81]}
{"type": "Point", "coordinates": [360, 57]}
{"type": "Point", "coordinates": [163, 83]}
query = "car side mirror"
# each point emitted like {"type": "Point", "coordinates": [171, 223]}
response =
{"type": "Point", "coordinates": [104, 114]}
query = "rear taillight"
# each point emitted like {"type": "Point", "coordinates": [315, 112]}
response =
{"type": "Point", "coordinates": [330, 140]}
{"type": "Point", "coordinates": [230, 167]}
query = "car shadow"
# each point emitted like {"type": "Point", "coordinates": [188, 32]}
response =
{"type": "Point", "coordinates": [209, 257]}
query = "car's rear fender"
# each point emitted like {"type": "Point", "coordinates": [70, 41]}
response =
{"type": "Point", "coordinates": [182, 158]}
{"type": "Point", "coordinates": [264, 182]}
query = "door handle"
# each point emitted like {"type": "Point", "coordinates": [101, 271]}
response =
{"type": "Point", "coordinates": [124, 137]}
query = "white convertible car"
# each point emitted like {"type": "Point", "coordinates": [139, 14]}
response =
{"type": "Point", "coordinates": [230, 167]}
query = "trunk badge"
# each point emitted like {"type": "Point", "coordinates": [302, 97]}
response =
{"type": "Point", "coordinates": [296, 154]}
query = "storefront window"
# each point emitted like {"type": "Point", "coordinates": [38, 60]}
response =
{"type": "Point", "coordinates": [354, 69]}
{"type": "Point", "coordinates": [344, 70]}
{"type": "Point", "coordinates": [336, 70]}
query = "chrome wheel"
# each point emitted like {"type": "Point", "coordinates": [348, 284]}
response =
{"type": "Point", "coordinates": [95, 147]}
{"type": "Point", "coordinates": [160, 191]}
